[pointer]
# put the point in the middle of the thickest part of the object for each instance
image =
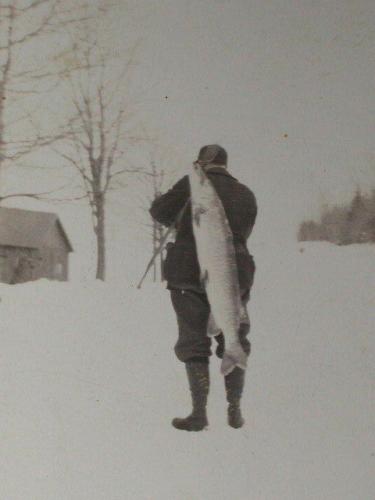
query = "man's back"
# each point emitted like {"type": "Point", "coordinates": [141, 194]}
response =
{"type": "Point", "coordinates": [182, 268]}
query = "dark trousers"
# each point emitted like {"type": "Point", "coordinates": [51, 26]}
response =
{"type": "Point", "coordinates": [193, 310]}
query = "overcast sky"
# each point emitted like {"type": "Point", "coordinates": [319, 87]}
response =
{"type": "Point", "coordinates": [286, 86]}
{"type": "Point", "coordinates": [245, 73]}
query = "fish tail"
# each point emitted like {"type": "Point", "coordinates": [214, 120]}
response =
{"type": "Point", "coordinates": [233, 356]}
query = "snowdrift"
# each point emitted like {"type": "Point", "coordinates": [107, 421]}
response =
{"type": "Point", "coordinates": [89, 384]}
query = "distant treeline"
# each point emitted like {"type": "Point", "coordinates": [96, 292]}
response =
{"type": "Point", "coordinates": [344, 225]}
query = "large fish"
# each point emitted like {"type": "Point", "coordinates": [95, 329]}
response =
{"type": "Point", "coordinates": [218, 266]}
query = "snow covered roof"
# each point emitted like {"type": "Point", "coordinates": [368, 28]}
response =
{"type": "Point", "coordinates": [29, 228]}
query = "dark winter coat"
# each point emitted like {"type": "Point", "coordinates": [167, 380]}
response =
{"type": "Point", "coordinates": [181, 268]}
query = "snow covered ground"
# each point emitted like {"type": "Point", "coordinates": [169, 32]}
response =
{"type": "Point", "coordinates": [89, 384]}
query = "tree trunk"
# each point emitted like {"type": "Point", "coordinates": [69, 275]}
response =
{"type": "Point", "coordinates": [4, 80]}
{"type": "Point", "coordinates": [154, 247]}
{"type": "Point", "coordinates": [100, 238]}
{"type": "Point", "coordinates": [162, 255]}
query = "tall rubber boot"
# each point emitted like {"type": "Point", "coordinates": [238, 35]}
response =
{"type": "Point", "coordinates": [198, 377]}
{"type": "Point", "coordinates": [234, 383]}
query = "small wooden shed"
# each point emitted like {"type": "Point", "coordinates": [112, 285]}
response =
{"type": "Point", "coordinates": [33, 245]}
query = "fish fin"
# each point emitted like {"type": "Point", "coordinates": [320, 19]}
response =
{"type": "Point", "coordinates": [212, 329]}
{"type": "Point", "coordinates": [198, 210]}
{"type": "Point", "coordinates": [204, 277]}
{"type": "Point", "coordinates": [234, 356]}
{"type": "Point", "coordinates": [196, 217]}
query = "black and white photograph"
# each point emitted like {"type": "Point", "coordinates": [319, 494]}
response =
{"type": "Point", "coordinates": [187, 249]}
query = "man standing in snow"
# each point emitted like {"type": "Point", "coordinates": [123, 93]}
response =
{"type": "Point", "coordinates": [188, 295]}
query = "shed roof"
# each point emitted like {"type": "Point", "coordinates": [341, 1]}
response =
{"type": "Point", "coordinates": [28, 228]}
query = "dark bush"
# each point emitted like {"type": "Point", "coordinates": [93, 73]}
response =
{"type": "Point", "coordinates": [343, 225]}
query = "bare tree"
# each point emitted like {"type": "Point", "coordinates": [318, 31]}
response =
{"type": "Point", "coordinates": [158, 229]}
{"type": "Point", "coordinates": [25, 76]}
{"type": "Point", "coordinates": [98, 135]}
{"type": "Point", "coordinates": [156, 175]}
